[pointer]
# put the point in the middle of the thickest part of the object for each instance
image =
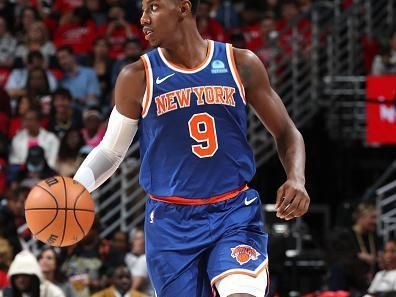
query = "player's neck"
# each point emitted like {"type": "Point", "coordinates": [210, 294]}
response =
{"type": "Point", "coordinates": [188, 50]}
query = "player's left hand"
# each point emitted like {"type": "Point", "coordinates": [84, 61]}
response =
{"type": "Point", "coordinates": [292, 200]}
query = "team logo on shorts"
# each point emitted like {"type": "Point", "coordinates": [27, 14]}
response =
{"type": "Point", "coordinates": [244, 253]}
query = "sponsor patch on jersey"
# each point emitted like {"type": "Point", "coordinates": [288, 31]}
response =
{"type": "Point", "coordinates": [218, 66]}
{"type": "Point", "coordinates": [244, 253]}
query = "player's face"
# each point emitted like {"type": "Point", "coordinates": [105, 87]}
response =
{"type": "Point", "coordinates": [160, 20]}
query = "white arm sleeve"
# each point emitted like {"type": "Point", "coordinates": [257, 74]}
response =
{"type": "Point", "coordinates": [104, 159]}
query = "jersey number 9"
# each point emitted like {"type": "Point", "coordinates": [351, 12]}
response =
{"type": "Point", "coordinates": [202, 129]}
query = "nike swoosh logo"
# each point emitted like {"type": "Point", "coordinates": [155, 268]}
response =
{"type": "Point", "coordinates": [161, 80]}
{"type": "Point", "coordinates": [248, 202]}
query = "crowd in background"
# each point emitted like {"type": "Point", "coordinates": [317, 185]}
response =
{"type": "Point", "coordinates": [59, 61]}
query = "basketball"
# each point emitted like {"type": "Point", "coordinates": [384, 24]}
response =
{"type": "Point", "coordinates": [59, 211]}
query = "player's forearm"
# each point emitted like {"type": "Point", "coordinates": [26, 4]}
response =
{"type": "Point", "coordinates": [291, 151]}
{"type": "Point", "coordinates": [104, 160]}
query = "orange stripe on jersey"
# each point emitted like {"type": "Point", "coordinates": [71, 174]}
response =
{"type": "Point", "coordinates": [255, 273]}
{"type": "Point", "coordinates": [146, 100]}
{"type": "Point", "coordinates": [208, 54]}
{"type": "Point", "coordinates": [200, 201]}
{"type": "Point", "coordinates": [238, 78]}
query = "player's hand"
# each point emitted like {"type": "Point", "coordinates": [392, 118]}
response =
{"type": "Point", "coordinates": [292, 200]}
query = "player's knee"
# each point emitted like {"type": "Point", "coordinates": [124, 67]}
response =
{"type": "Point", "coordinates": [242, 285]}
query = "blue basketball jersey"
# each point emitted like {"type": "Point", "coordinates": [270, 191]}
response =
{"type": "Point", "coordinates": [193, 130]}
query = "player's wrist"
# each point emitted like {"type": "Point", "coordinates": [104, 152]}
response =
{"type": "Point", "coordinates": [297, 179]}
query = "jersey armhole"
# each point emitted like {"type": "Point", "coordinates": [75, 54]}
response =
{"type": "Point", "coordinates": [234, 71]}
{"type": "Point", "coordinates": [149, 85]}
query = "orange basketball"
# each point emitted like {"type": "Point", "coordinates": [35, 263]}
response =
{"type": "Point", "coordinates": [59, 211]}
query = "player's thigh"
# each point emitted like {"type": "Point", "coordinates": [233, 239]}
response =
{"type": "Point", "coordinates": [242, 285]}
{"type": "Point", "coordinates": [193, 281]}
{"type": "Point", "coordinates": [241, 247]}
{"type": "Point", "coordinates": [176, 250]}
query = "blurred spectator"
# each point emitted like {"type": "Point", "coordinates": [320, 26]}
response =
{"type": "Point", "coordinates": [44, 8]}
{"type": "Point", "coordinates": [69, 158]}
{"type": "Point", "coordinates": [227, 15]}
{"type": "Point", "coordinates": [63, 116]}
{"type": "Point", "coordinates": [5, 261]}
{"type": "Point", "coordinates": [7, 12]}
{"type": "Point", "coordinates": [114, 251]}
{"type": "Point", "coordinates": [6, 254]}
{"type": "Point", "coordinates": [385, 280]}
{"type": "Point", "coordinates": [118, 30]}
{"type": "Point", "coordinates": [36, 168]}
{"type": "Point", "coordinates": [80, 81]}
{"type": "Point", "coordinates": [11, 217]}
{"type": "Point", "coordinates": [38, 88]}
{"type": "Point", "coordinates": [36, 40]}
{"type": "Point", "coordinates": [353, 252]}
{"type": "Point", "coordinates": [49, 262]}
{"type": "Point", "coordinates": [93, 130]}
{"type": "Point", "coordinates": [76, 30]}
{"type": "Point", "coordinates": [136, 262]}
{"type": "Point", "coordinates": [27, 280]}
{"type": "Point", "coordinates": [268, 40]}
{"type": "Point", "coordinates": [23, 104]}
{"type": "Point", "coordinates": [208, 26]}
{"type": "Point", "coordinates": [250, 24]}
{"type": "Point", "coordinates": [33, 135]}
{"type": "Point", "coordinates": [291, 19]}
{"type": "Point", "coordinates": [305, 7]}
{"type": "Point", "coordinates": [7, 44]}
{"type": "Point", "coordinates": [122, 285]}
{"type": "Point", "coordinates": [17, 81]}
{"type": "Point", "coordinates": [27, 17]}
{"type": "Point", "coordinates": [273, 7]}
{"type": "Point", "coordinates": [5, 111]}
{"type": "Point", "coordinates": [102, 63]}
{"type": "Point", "coordinates": [385, 63]}
{"type": "Point", "coordinates": [3, 164]}
{"type": "Point", "coordinates": [132, 52]}
{"type": "Point", "coordinates": [96, 8]}
{"type": "Point", "coordinates": [82, 264]}
{"type": "Point", "coordinates": [65, 6]}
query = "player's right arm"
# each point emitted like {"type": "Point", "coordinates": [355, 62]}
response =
{"type": "Point", "coordinates": [104, 159]}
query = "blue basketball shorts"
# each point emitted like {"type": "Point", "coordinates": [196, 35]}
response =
{"type": "Point", "coordinates": [190, 247]}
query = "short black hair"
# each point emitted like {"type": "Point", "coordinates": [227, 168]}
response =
{"type": "Point", "coordinates": [33, 55]}
{"type": "Point", "coordinates": [194, 6]}
{"type": "Point", "coordinates": [63, 92]}
{"type": "Point", "coordinates": [66, 48]}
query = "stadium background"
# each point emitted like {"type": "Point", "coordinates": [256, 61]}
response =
{"type": "Point", "coordinates": [331, 62]}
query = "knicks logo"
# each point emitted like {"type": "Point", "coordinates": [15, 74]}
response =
{"type": "Point", "coordinates": [244, 253]}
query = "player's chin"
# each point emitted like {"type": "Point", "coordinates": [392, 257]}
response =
{"type": "Point", "coordinates": [154, 42]}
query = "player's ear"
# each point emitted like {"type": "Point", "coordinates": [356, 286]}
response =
{"type": "Point", "coordinates": [185, 8]}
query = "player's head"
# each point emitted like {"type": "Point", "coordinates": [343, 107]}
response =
{"type": "Point", "coordinates": [163, 19]}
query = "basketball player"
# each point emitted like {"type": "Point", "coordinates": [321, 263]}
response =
{"type": "Point", "coordinates": [204, 226]}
